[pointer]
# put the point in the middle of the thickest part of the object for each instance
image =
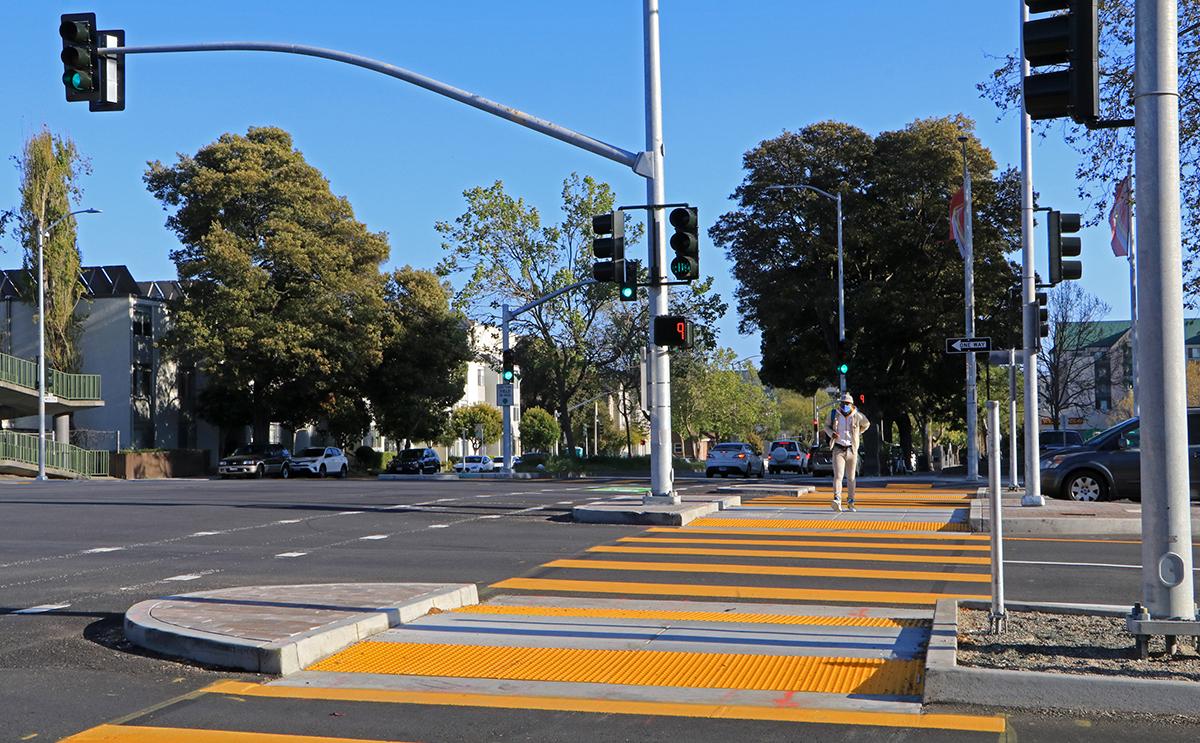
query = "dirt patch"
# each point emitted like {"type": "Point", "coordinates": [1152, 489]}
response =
{"type": "Point", "coordinates": [1069, 643]}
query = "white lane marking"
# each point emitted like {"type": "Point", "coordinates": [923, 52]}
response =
{"type": "Point", "coordinates": [205, 533]}
{"type": "Point", "coordinates": [348, 513]}
{"type": "Point", "coordinates": [439, 526]}
{"type": "Point", "coordinates": [288, 521]}
{"type": "Point", "coordinates": [173, 578]}
{"type": "Point", "coordinates": [41, 609]}
{"type": "Point", "coordinates": [189, 576]}
{"type": "Point", "coordinates": [96, 550]}
{"type": "Point", "coordinates": [564, 503]}
{"type": "Point", "coordinates": [491, 516]}
{"type": "Point", "coordinates": [1077, 564]}
{"type": "Point", "coordinates": [443, 500]}
{"type": "Point", "coordinates": [374, 536]}
{"type": "Point", "coordinates": [291, 554]}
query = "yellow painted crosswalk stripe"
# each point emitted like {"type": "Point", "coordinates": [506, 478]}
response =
{"type": "Point", "coordinates": [843, 534]}
{"type": "Point", "coordinates": [674, 668]}
{"type": "Point", "coordinates": [738, 617]}
{"type": "Point", "coordinates": [791, 555]}
{"type": "Point", "coordinates": [964, 723]}
{"type": "Point", "coordinates": [815, 543]}
{"type": "Point", "coordinates": [848, 524]}
{"type": "Point", "coordinates": [142, 734]}
{"type": "Point", "coordinates": [822, 595]}
{"type": "Point", "coordinates": [738, 569]}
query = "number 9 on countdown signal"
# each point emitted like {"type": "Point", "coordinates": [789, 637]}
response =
{"type": "Point", "coordinates": [674, 331]}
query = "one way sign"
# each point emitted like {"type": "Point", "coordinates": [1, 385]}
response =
{"type": "Point", "coordinates": [968, 345]}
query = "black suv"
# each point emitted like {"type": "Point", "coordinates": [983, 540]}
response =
{"type": "Point", "coordinates": [256, 460]}
{"type": "Point", "coordinates": [415, 462]}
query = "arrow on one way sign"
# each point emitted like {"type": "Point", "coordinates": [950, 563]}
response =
{"type": "Point", "coordinates": [968, 345]}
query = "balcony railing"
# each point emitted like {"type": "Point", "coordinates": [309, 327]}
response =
{"type": "Point", "coordinates": [23, 373]}
{"type": "Point", "coordinates": [22, 447]}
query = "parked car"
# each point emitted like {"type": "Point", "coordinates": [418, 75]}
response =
{"type": "Point", "coordinates": [256, 460]}
{"type": "Point", "coordinates": [474, 463]}
{"type": "Point", "coordinates": [734, 458]}
{"type": "Point", "coordinates": [1055, 439]}
{"type": "Point", "coordinates": [787, 456]}
{"type": "Point", "coordinates": [415, 462]}
{"type": "Point", "coordinates": [320, 461]}
{"type": "Point", "coordinates": [1108, 465]}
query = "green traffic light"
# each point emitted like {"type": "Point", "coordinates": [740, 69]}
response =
{"type": "Point", "coordinates": [507, 375]}
{"type": "Point", "coordinates": [843, 369]}
{"type": "Point", "coordinates": [78, 80]}
{"type": "Point", "coordinates": [627, 291]}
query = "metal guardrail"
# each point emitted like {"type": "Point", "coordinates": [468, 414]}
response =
{"type": "Point", "coordinates": [23, 373]}
{"type": "Point", "coordinates": [22, 447]}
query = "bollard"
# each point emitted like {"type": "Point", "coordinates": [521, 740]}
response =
{"type": "Point", "coordinates": [997, 619]}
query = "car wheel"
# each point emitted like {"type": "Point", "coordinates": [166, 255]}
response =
{"type": "Point", "coordinates": [285, 472]}
{"type": "Point", "coordinates": [762, 473]}
{"type": "Point", "coordinates": [260, 471]}
{"type": "Point", "coordinates": [323, 473]}
{"type": "Point", "coordinates": [1086, 485]}
{"type": "Point", "coordinates": [343, 473]}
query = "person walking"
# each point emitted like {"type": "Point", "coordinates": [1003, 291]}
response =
{"type": "Point", "coordinates": [846, 426]}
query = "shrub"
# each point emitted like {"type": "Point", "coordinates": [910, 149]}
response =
{"type": "Point", "coordinates": [368, 458]}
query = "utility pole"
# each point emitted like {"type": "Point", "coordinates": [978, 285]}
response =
{"type": "Point", "coordinates": [1166, 519]}
{"type": "Point", "coordinates": [1012, 419]}
{"type": "Point", "coordinates": [969, 293]}
{"type": "Point", "coordinates": [1029, 321]}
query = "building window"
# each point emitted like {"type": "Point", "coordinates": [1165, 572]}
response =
{"type": "Point", "coordinates": [481, 377]}
{"type": "Point", "coordinates": [143, 322]}
{"type": "Point", "coordinates": [143, 381]}
{"type": "Point", "coordinates": [1194, 353]}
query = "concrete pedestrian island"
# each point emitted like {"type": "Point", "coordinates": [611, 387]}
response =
{"type": "Point", "coordinates": [629, 509]}
{"type": "Point", "coordinates": [281, 629]}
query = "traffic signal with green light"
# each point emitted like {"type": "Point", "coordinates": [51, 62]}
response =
{"type": "Point", "coordinates": [685, 266]}
{"type": "Point", "coordinates": [843, 368]}
{"type": "Point", "coordinates": [1060, 223]}
{"type": "Point", "coordinates": [507, 366]}
{"type": "Point", "coordinates": [1070, 38]}
{"type": "Point", "coordinates": [628, 288]}
{"type": "Point", "coordinates": [609, 247]}
{"type": "Point", "coordinates": [79, 57]}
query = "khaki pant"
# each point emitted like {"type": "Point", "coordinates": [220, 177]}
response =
{"type": "Point", "coordinates": [844, 463]}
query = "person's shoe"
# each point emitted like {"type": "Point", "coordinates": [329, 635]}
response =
{"type": "Point", "coordinates": [851, 507]}
{"type": "Point", "coordinates": [837, 505]}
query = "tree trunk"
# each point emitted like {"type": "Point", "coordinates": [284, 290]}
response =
{"type": "Point", "coordinates": [904, 424]}
{"type": "Point", "coordinates": [927, 443]}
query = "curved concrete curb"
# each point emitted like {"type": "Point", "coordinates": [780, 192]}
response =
{"type": "Point", "coordinates": [767, 489]}
{"type": "Point", "coordinates": [292, 652]}
{"type": "Point", "coordinates": [946, 682]}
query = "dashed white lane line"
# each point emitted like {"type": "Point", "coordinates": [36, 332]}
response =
{"type": "Point", "coordinates": [291, 554]}
{"type": "Point", "coordinates": [348, 513]}
{"type": "Point", "coordinates": [374, 536]}
{"type": "Point", "coordinates": [564, 503]}
{"type": "Point", "coordinates": [288, 521]}
{"type": "Point", "coordinates": [96, 550]}
{"type": "Point", "coordinates": [41, 609]}
{"type": "Point", "coordinates": [188, 576]}
{"type": "Point", "coordinates": [444, 500]}
{"type": "Point", "coordinates": [172, 579]}
{"type": "Point", "coordinates": [491, 516]}
{"type": "Point", "coordinates": [205, 533]}
{"type": "Point", "coordinates": [439, 526]}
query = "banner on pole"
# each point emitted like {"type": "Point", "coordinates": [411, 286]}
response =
{"type": "Point", "coordinates": [1120, 218]}
{"type": "Point", "coordinates": [958, 221]}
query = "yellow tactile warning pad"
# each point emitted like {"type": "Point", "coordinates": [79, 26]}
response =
{"type": "Point", "coordinates": [633, 667]}
{"type": "Point", "coordinates": [845, 543]}
{"type": "Point", "coordinates": [692, 616]}
{"type": "Point", "coordinates": [789, 554]}
{"type": "Point", "coordinates": [885, 540]}
{"type": "Point", "coordinates": [739, 569]}
{"type": "Point", "coordinates": [843, 525]}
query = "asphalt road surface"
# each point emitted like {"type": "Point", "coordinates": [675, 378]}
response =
{"type": "Point", "coordinates": [76, 555]}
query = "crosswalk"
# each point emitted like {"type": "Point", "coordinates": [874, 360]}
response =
{"type": "Point", "coordinates": [778, 611]}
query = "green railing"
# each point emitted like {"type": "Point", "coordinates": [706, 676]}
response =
{"type": "Point", "coordinates": [22, 447]}
{"type": "Point", "coordinates": [23, 373]}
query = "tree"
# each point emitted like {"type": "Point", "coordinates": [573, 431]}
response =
{"type": "Point", "coordinates": [903, 278]}
{"type": "Point", "coordinates": [282, 302]}
{"type": "Point", "coordinates": [51, 168]}
{"type": "Point", "coordinates": [464, 420]}
{"type": "Point", "coordinates": [539, 430]}
{"type": "Point", "coordinates": [710, 395]}
{"type": "Point", "coordinates": [1106, 155]}
{"type": "Point", "coordinates": [426, 348]}
{"type": "Point", "coordinates": [1068, 374]}
{"type": "Point", "coordinates": [1193, 386]}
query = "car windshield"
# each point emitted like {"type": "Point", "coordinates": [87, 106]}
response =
{"type": "Point", "coordinates": [409, 455]}
{"type": "Point", "coordinates": [249, 450]}
{"type": "Point", "coordinates": [474, 460]}
{"type": "Point", "coordinates": [728, 447]}
{"type": "Point", "coordinates": [313, 452]}
{"type": "Point", "coordinates": [785, 445]}
{"type": "Point", "coordinates": [1096, 439]}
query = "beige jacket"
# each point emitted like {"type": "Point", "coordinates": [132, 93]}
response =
{"type": "Point", "coordinates": [858, 426]}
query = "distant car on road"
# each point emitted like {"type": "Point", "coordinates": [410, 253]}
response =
{"type": "Point", "coordinates": [1108, 465]}
{"type": "Point", "coordinates": [787, 456]}
{"type": "Point", "coordinates": [256, 460]}
{"type": "Point", "coordinates": [1055, 439]}
{"type": "Point", "coordinates": [415, 462]}
{"type": "Point", "coordinates": [734, 458]}
{"type": "Point", "coordinates": [321, 461]}
{"type": "Point", "coordinates": [474, 463]}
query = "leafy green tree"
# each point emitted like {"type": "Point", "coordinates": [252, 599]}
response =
{"type": "Point", "coordinates": [465, 418]}
{"type": "Point", "coordinates": [539, 430]}
{"type": "Point", "coordinates": [283, 303]}
{"type": "Point", "coordinates": [426, 348]}
{"type": "Point", "coordinates": [51, 168]}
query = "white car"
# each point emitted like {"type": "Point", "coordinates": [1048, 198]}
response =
{"type": "Point", "coordinates": [474, 463]}
{"type": "Point", "coordinates": [734, 458]}
{"type": "Point", "coordinates": [321, 462]}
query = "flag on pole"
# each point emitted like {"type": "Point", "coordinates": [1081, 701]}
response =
{"type": "Point", "coordinates": [1120, 218]}
{"type": "Point", "coordinates": [958, 221]}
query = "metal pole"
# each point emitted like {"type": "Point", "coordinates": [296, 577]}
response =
{"type": "Point", "coordinates": [997, 617]}
{"type": "Point", "coordinates": [661, 475]}
{"type": "Point", "coordinates": [1029, 329]}
{"type": "Point", "coordinates": [1166, 521]}
{"type": "Point", "coordinates": [841, 293]}
{"type": "Point", "coordinates": [1012, 419]}
{"type": "Point", "coordinates": [1133, 320]}
{"type": "Point", "coordinates": [506, 410]}
{"type": "Point", "coordinates": [41, 284]}
{"type": "Point", "coordinates": [596, 428]}
{"type": "Point", "coordinates": [969, 293]}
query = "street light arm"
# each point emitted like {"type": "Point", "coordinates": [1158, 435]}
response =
{"type": "Point", "coordinates": [803, 186]}
{"type": "Point", "coordinates": [46, 232]}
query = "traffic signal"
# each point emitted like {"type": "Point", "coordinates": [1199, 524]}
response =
{"type": "Point", "coordinates": [1058, 246]}
{"type": "Point", "coordinates": [673, 330]}
{"type": "Point", "coordinates": [1071, 38]}
{"type": "Point", "coordinates": [628, 289]}
{"type": "Point", "coordinates": [79, 57]}
{"type": "Point", "coordinates": [1043, 315]}
{"type": "Point", "coordinates": [507, 370]}
{"type": "Point", "coordinates": [609, 247]}
{"type": "Point", "coordinates": [843, 368]}
{"type": "Point", "coordinates": [685, 266]}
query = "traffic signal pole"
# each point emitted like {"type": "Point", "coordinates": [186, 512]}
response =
{"type": "Point", "coordinates": [1029, 320]}
{"type": "Point", "coordinates": [969, 293]}
{"type": "Point", "coordinates": [841, 296]}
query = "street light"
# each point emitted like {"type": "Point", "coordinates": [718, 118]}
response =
{"type": "Point", "coordinates": [840, 277]}
{"type": "Point", "coordinates": [42, 234]}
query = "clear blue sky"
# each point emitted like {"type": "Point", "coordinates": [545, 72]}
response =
{"type": "Point", "coordinates": [733, 75]}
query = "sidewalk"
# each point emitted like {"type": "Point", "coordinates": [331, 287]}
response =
{"type": "Point", "coordinates": [1062, 516]}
